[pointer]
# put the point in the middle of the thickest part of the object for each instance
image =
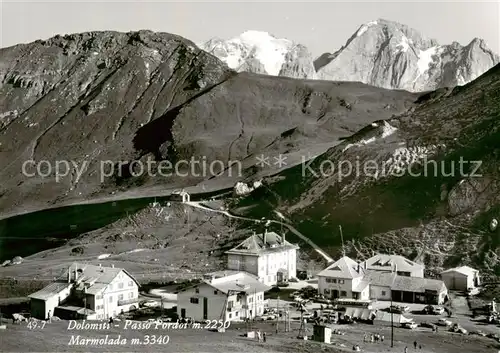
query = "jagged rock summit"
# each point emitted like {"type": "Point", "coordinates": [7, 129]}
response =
{"type": "Point", "coordinates": [391, 55]}
{"type": "Point", "coordinates": [263, 53]}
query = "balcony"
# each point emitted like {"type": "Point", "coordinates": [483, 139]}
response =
{"type": "Point", "coordinates": [128, 301]}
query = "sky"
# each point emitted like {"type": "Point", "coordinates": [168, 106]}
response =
{"type": "Point", "coordinates": [321, 26]}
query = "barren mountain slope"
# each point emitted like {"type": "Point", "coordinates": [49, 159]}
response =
{"type": "Point", "coordinates": [108, 97]}
{"type": "Point", "coordinates": [439, 213]}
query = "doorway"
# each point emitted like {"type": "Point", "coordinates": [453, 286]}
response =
{"type": "Point", "coordinates": [183, 313]}
{"type": "Point", "coordinates": [205, 308]}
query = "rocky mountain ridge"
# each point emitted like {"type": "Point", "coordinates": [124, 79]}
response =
{"type": "Point", "coordinates": [381, 53]}
{"type": "Point", "coordinates": [109, 102]}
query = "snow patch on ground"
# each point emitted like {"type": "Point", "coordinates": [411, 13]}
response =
{"type": "Point", "coordinates": [425, 59]}
{"type": "Point", "coordinates": [103, 256]}
{"type": "Point", "coordinates": [244, 189]}
{"type": "Point", "coordinates": [404, 45]}
{"type": "Point", "coordinates": [385, 131]}
{"type": "Point", "coordinates": [9, 113]}
{"type": "Point", "coordinates": [133, 251]}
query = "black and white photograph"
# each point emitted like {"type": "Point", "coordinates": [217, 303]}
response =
{"type": "Point", "coordinates": [250, 176]}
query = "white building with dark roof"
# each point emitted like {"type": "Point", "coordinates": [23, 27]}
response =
{"type": "Point", "coordinates": [225, 295]}
{"type": "Point", "coordinates": [268, 256]}
{"type": "Point", "coordinates": [389, 263]}
{"type": "Point", "coordinates": [87, 292]}
{"type": "Point", "coordinates": [461, 278]}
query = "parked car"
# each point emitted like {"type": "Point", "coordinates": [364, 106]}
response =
{"type": "Point", "coordinates": [433, 310]}
{"type": "Point", "coordinates": [398, 309]}
{"type": "Point", "coordinates": [410, 325]}
{"type": "Point", "coordinates": [439, 310]}
{"type": "Point", "coordinates": [321, 299]}
{"type": "Point", "coordinates": [444, 322]}
{"type": "Point", "coordinates": [266, 317]}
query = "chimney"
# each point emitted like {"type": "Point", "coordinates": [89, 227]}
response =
{"type": "Point", "coordinates": [265, 237]}
{"type": "Point", "coordinates": [359, 268]}
{"type": "Point", "coordinates": [112, 265]}
{"type": "Point", "coordinates": [364, 265]}
{"type": "Point", "coordinates": [76, 272]}
{"type": "Point", "coordinates": [69, 274]}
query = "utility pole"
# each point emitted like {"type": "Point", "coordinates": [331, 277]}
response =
{"type": "Point", "coordinates": [289, 322]}
{"type": "Point", "coordinates": [392, 323]}
{"type": "Point", "coordinates": [277, 313]}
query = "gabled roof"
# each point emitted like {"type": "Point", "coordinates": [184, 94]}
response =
{"type": "Point", "coordinates": [345, 267]}
{"type": "Point", "coordinates": [97, 277]}
{"type": "Point", "coordinates": [387, 262]}
{"type": "Point", "coordinates": [255, 245]}
{"type": "Point", "coordinates": [379, 278]}
{"type": "Point", "coordinates": [465, 270]}
{"type": "Point", "coordinates": [94, 278]}
{"type": "Point", "coordinates": [51, 290]}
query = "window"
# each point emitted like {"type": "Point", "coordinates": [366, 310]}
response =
{"type": "Point", "coordinates": [194, 300]}
{"type": "Point", "coordinates": [250, 299]}
{"type": "Point", "coordinates": [120, 297]}
{"type": "Point", "coordinates": [130, 283]}
{"type": "Point", "coordinates": [230, 315]}
{"type": "Point", "coordinates": [343, 293]}
{"type": "Point", "coordinates": [383, 292]}
{"type": "Point", "coordinates": [216, 292]}
{"type": "Point", "coordinates": [236, 314]}
{"type": "Point", "coordinates": [131, 295]}
{"type": "Point", "coordinates": [341, 281]}
{"type": "Point", "coordinates": [110, 298]}
{"type": "Point", "coordinates": [120, 285]}
{"type": "Point", "coordinates": [197, 290]}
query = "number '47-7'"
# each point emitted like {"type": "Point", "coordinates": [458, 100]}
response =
{"type": "Point", "coordinates": [33, 325]}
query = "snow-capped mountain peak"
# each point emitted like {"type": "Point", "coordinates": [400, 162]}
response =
{"type": "Point", "coordinates": [365, 27]}
{"type": "Point", "coordinates": [262, 52]}
{"type": "Point", "coordinates": [381, 53]}
{"type": "Point", "coordinates": [392, 55]}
